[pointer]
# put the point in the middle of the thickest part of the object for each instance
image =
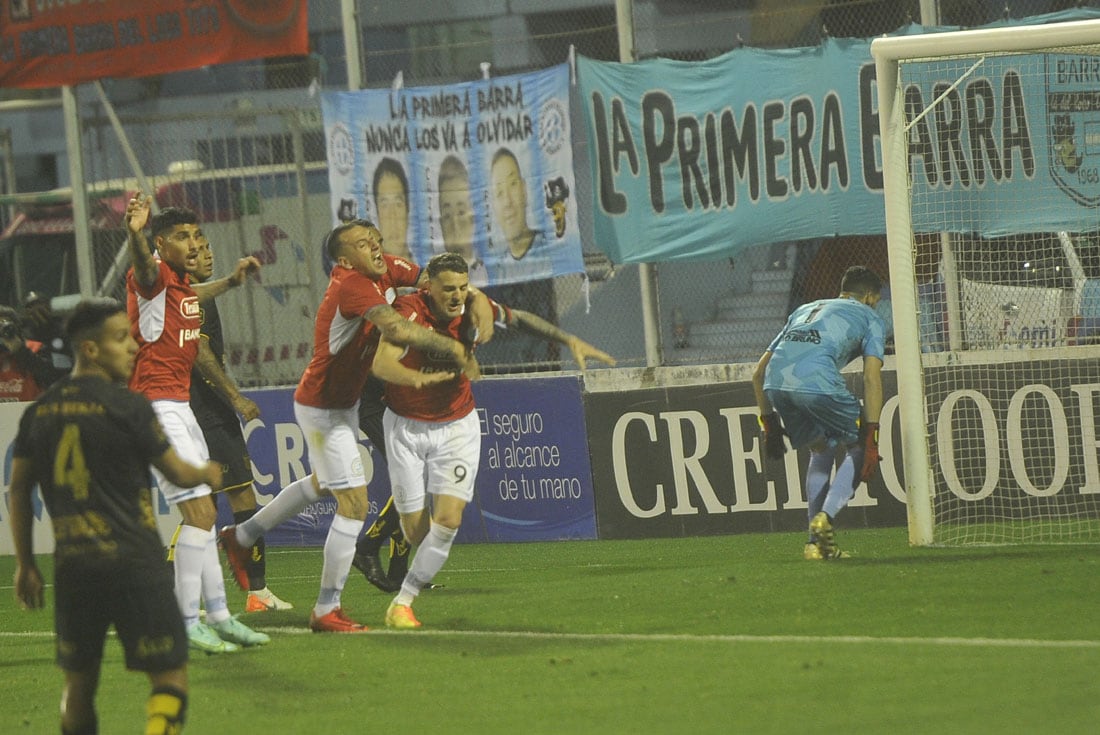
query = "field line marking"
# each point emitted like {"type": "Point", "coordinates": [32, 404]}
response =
{"type": "Point", "coordinates": [944, 641]}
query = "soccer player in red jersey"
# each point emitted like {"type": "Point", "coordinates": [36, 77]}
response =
{"type": "Point", "coordinates": [433, 440]}
{"type": "Point", "coordinates": [220, 408]}
{"type": "Point", "coordinates": [354, 311]}
{"type": "Point", "coordinates": [165, 320]}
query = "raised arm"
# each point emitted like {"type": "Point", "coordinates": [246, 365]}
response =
{"type": "Point", "coordinates": [212, 289]}
{"type": "Point", "coordinates": [141, 257]}
{"type": "Point", "coordinates": [480, 312]}
{"type": "Point", "coordinates": [215, 375]}
{"type": "Point", "coordinates": [582, 351]}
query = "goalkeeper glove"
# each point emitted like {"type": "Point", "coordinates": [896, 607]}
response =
{"type": "Point", "coordinates": [868, 434]}
{"type": "Point", "coordinates": [774, 446]}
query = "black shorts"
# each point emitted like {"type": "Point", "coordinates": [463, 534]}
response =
{"type": "Point", "coordinates": [225, 443]}
{"type": "Point", "coordinates": [139, 600]}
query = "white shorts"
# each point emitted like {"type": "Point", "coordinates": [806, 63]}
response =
{"type": "Point", "coordinates": [440, 458]}
{"type": "Point", "coordinates": [184, 434]}
{"type": "Point", "coordinates": [332, 438]}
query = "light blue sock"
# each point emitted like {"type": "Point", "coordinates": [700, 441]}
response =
{"type": "Point", "coordinates": [817, 481]}
{"type": "Point", "coordinates": [842, 488]}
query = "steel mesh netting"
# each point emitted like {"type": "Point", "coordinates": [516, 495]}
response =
{"type": "Point", "coordinates": [261, 122]}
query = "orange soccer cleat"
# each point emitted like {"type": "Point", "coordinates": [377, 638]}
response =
{"type": "Point", "coordinates": [335, 621]}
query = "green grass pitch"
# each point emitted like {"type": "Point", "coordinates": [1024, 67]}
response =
{"type": "Point", "coordinates": [724, 634]}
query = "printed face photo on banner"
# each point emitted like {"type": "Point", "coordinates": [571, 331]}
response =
{"type": "Point", "coordinates": [391, 202]}
{"type": "Point", "coordinates": [494, 219]}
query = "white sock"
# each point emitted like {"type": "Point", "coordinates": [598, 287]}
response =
{"type": "Point", "coordinates": [213, 584]}
{"type": "Point", "coordinates": [430, 557]}
{"type": "Point", "coordinates": [284, 506]}
{"type": "Point", "coordinates": [188, 564]}
{"type": "Point", "coordinates": [339, 550]}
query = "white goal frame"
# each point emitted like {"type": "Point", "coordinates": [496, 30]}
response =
{"type": "Point", "coordinates": [888, 53]}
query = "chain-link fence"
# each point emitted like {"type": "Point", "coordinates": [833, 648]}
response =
{"type": "Point", "coordinates": [244, 145]}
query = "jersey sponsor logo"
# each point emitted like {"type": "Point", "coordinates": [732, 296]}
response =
{"type": "Point", "coordinates": [189, 307]}
{"type": "Point", "coordinates": [189, 335]}
{"type": "Point", "coordinates": [809, 335]}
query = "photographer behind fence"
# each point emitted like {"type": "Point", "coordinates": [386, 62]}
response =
{"type": "Point", "coordinates": [24, 373]}
{"type": "Point", "coordinates": [41, 324]}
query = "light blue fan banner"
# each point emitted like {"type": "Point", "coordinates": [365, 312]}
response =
{"type": "Point", "coordinates": [698, 160]}
{"type": "Point", "coordinates": [484, 169]}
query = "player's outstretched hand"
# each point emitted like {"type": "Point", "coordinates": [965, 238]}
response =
{"type": "Point", "coordinates": [245, 267]}
{"type": "Point", "coordinates": [137, 212]}
{"type": "Point", "coordinates": [28, 587]}
{"type": "Point", "coordinates": [582, 351]}
{"type": "Point", "coordinates": [774, 446]}
{"type": "Point", "coordinates": [868, 435]}
{"type": "Point", "coordinates": [426, 379]}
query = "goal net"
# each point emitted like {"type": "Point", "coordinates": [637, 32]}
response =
{"type": "Point", "coordinates": [991, 161]}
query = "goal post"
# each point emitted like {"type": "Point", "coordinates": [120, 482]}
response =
{"type": "Point", "coordinates": [991, 172]}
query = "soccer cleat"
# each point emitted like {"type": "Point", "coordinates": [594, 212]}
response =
{"type": "Point", "coordinates": [371, 568]}
{"type": "Point", "coordinates": [811, 552]}
{"type": "Point", "coordinates": [201, 637]}
{"type": "Point", "coordinates": [235, 554]}
{"type": "Point", "coordinates": [335, 621]}
{"type": "Point", "coordinates": [234, 631]}
{"type": "Point", "coordinates": [265, 599]}
{"type": "Point", "coordinates": [822, 529]}
{"type": "Point", "coordinates": [401, 617]}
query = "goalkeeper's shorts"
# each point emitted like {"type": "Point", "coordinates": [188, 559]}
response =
{"type": "Point", "coordinates": [811, 417]}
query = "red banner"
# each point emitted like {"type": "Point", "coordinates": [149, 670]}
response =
{"type": "Point", "coordinates": [49, 43]}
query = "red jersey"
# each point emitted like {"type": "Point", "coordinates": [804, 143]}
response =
{"type": "Point", "coordinates": [165, 320]}
{"type": "Point", "coordinates": [442, 401]}
{"type": "Point", "coordinates": [343, 346]}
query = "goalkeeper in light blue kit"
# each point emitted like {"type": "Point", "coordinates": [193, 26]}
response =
{"type": "Point", "coordinates": [801, 393]}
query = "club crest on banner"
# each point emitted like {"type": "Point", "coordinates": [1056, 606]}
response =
{"type": "Point", "coordinates": [1073, 119]}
